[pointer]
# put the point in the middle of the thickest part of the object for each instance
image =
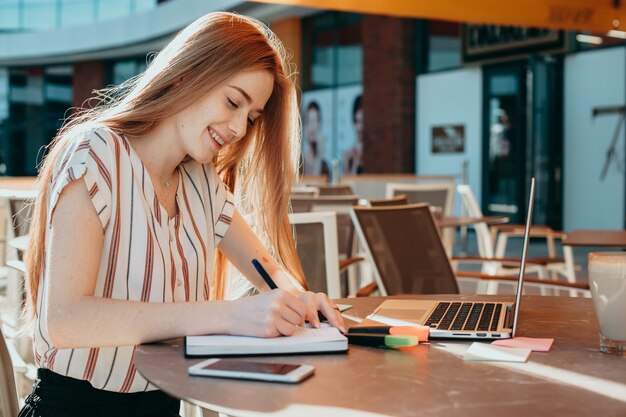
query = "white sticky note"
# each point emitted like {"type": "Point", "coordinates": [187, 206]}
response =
{"type": "Point", "coordinates": [487, 352]}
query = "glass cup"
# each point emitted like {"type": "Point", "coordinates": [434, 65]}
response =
{"type": "Point", "coordinates": [607, 279]}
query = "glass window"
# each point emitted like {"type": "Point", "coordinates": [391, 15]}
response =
{"type": "Point", "coordinates": [9, 15]}
{"type": "Point", "coordinates": [112, 9]}
{"type": "Point", "coordinates": [39, 14]}
{"type": "Point", "coordinates": [333, 50]}
{"type": "Point", "coordinates": [349, 50]}
{"type": "Point", "coordinates": [123, 70]}
{"type": "Point", "coordinates": [58, 84]}
{"type": "Point", "coordinates": [322, 42]}
{"type": "Point", "coordinates": [4, 94]}
{"type": "Point", "coordinates": [77, 12]}
{"type": "Point", "coordinates": [143, 5]}
{"type": "Point", "coordinates": [444, 45]}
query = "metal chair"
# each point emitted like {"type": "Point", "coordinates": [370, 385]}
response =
{"type": "Point", "coordinates": [397, 200]}
{"type": "Point", "coordinates": [316, 243]}
{"type": "Point", "coordinates": [438, 195]}
{"type": "Point", "coordinates": [334, 189]}
{"type": "Point", "coordinates": [493, 259]}
{"type": "Point", "coordinates": [404, 246]}
{"type": "Point", "coordinates": [340, 205]}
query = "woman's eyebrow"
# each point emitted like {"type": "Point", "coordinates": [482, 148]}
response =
{"type": "Point", "coordinates": [243, 93]}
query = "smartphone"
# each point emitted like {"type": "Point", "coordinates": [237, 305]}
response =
{"type": "Point", "coordinates": [244, 369]}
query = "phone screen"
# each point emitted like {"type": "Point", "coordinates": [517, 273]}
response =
{"type": "Point", "coordinates": [256, 367]}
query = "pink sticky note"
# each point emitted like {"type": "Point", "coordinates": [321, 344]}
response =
{"type": "Point", "coordinates": [533, 343]}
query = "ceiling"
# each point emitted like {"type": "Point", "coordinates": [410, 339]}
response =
{"type": "Point", "coordinates": [584, 15]}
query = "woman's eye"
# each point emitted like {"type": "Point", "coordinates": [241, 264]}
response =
{"type": "Point", "coordinates": [232, 104]}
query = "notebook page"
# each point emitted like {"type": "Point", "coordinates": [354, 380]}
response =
{"type": "Point", "coordinates": [301, 336]}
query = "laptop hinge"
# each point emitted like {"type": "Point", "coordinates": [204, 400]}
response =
{"type": "Point", "coordinates": [510, 314]}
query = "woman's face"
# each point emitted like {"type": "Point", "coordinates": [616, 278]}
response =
{"type": "Point", "coordinates": [358, 125]}
{"type": "Point", "coordinates": [223, 115]}
{"type": "Point", "coordinates": [312, 124]}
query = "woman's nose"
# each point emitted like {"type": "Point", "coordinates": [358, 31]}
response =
{"type": "Point", "coordinates": [237, 126]}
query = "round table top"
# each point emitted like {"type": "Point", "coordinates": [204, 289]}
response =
{"type": "Point", "coordinates": [429, 379]}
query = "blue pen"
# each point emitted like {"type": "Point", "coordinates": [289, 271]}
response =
{"type": "Point", "coordinates": [266, 277]}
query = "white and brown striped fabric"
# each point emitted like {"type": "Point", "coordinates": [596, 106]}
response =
{"type": "Point", "coordinates": [145, 256]}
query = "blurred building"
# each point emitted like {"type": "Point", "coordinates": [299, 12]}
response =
{"type": "Point", "coordinates": [434, 96]}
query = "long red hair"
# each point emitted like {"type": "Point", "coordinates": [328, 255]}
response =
{"type": "Point", "coordinates": [260, 169]}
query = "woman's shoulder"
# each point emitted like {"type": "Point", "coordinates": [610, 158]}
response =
{"type": "Point", "coordinates": [87, 144]}
{"type": "Point", "coordinates": [97, 134]}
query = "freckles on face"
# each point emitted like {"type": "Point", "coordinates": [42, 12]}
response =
{"type": "Point", "coordinates": [224, 115]}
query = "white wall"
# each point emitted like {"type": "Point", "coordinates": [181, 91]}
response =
{"type": "Point", "coordinates": [450, 97]}
{"type": "Point", "coordinates": [592, 79]}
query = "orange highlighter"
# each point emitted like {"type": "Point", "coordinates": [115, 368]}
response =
{"type": "Point", "coordinates": [421, 332]}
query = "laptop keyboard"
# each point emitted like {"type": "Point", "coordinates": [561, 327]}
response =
{"type": "Point", "coordinates": [465, 316]}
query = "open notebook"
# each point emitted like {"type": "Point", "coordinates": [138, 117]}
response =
{"type": "Point", "coordinates": [304, 340]}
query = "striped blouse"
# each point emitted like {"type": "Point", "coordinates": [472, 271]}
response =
{"type": "Point", "coordinates": [145, 255]}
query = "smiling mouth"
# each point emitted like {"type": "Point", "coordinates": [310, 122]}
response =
{"type": "Point", "coordinates": [216, 137]}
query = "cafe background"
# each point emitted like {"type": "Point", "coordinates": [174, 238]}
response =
{"type": "Point", "coordinates": [530, 100]}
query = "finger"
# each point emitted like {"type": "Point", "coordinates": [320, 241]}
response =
{"type": "Point", "coordinates": [311, 311]}
{"type": "Point", "coordinates": [308, 298]}
{"type": "Point", "coordinates": [288, 314]}
{"type": "Point", "coordinates": [330, 311]}
{"type": "Point", "coordinates": [295, 304]}
{"type": "Point", "coordinates": [285, 328]}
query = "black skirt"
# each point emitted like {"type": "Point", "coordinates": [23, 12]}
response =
{"type": "Point", "coordinates": [56, 395]}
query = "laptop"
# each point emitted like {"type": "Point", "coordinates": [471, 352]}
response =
{"type": "Point", "coordinates": [454, 319]}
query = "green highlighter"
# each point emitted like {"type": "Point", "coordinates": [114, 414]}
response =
{"type": "Point", "coordinates": [382, 340]}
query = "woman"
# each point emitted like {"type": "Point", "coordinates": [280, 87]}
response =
{"type": "Point", "coordinates": [314, 162]}
{"type": "Point", "coordinates": [353, 157]}
{"type": "Point", "coordinates": [136, 198]}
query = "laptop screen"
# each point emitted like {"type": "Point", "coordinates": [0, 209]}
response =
{"type": "Point", "coordinates": [520, 281]}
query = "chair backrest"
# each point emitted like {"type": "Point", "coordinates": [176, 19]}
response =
{"type": "Point", "coordinates": [437, 195]}
{"type": "Point", "coordinates": [483, 236]}
{"type": "Point", "coordinates": [372, 186]}
{"type": "Point", "coordinates": [20, 209]}
{"type": "Point", "coordinates": [20, 212]}
{"type": "Point", "coordinates": [316, 243]}
{"type": "Point", "coordinates": [340, 204]}
{"type": "Point", "coordinates": [305, 191]}
{"type": "Point", "coordinates": [405, 250]}
{"type": "Point", "coordinates": [398, 200]}
{"type": "Point", "coordinates": [335, 189]}
{"type": "Point", "coordinates": [8, 391]}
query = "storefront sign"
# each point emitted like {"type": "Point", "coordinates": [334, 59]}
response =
{"type": "Point", "coordinates": [490, 41]}
{"type": "Point", "coordinates": [448, 139]}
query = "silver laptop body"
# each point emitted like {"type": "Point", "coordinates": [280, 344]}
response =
{"type": "Point", "coordinates": [464, 320]}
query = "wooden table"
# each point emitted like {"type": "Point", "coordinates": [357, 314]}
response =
{"type": "Point", "coordinates": [599, 238]}
{"type": "Point", "coordinates": [574, 379]}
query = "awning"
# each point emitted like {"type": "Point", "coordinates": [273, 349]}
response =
{"type": "Point", "coordinates": [587, 15]}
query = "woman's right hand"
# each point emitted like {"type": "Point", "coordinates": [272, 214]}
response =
{"type": "Point", "coordinates": [271, 314]}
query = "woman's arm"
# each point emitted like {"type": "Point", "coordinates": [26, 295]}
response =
{"type": "Point", "coordinates": [241, 245]}
{"type": "Point", "coordinates": [76, 318]}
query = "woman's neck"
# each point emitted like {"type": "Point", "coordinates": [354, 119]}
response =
{"type": "Point", "coordinates": [160, 152]}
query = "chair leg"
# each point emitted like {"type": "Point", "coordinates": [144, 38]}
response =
{"type": "Point", "coordinates": [568, 255]}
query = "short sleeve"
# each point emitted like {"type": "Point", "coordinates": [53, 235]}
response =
{"type": "Point", "coordinates": [222, 203]}
{"type": "Point", "coordinates": [88, 157]}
